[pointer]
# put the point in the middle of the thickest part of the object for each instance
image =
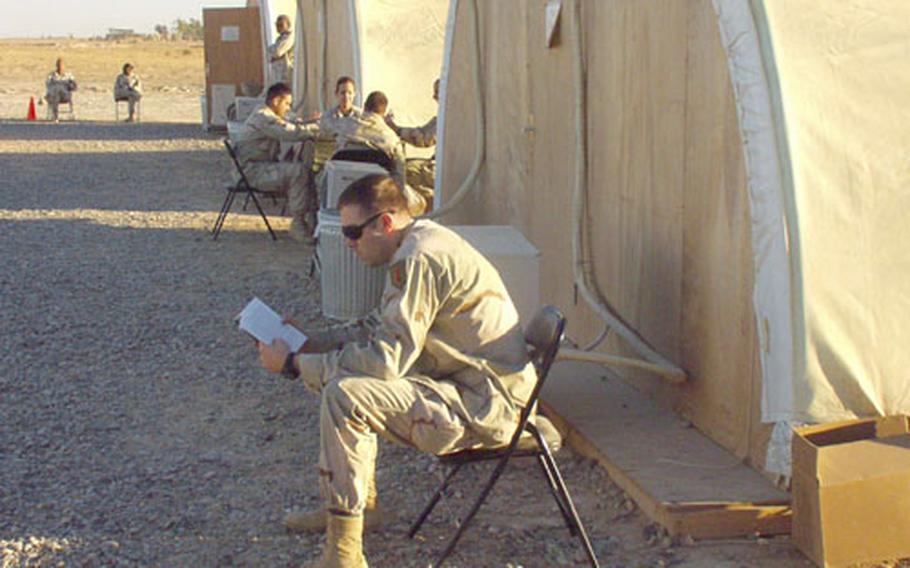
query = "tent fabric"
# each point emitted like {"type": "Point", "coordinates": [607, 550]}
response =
{"type": "Point", "coordinates": [667, 196]}
{"type": "Point", "coordinates": [845, 91]}
{"type": "Point", "coordinates": [401, 44]}
{"type": "Point", "coordinates": [837, 74]}
{"type": "Point", "coordinates": [763, 157]}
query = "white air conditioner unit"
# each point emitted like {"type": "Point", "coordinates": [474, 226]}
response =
{"type": "Point", "coordinates": [340, 173]}
{"type": "Point", "coordinates": [514, 257]}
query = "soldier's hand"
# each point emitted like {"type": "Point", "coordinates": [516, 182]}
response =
{"type": "Point", "coordinates": [273, 356]}
{"type": "Point", "coordinates": [289, 320]}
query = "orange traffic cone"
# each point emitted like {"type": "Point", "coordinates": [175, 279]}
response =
{"type": "Point", "coordinates": [32, 115]}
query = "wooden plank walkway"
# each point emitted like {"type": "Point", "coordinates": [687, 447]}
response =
{"type": "Point", "coordinates": [676, 475]}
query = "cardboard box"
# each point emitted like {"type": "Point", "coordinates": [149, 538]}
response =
{"type": "Point", "coordinates": [851, 491]}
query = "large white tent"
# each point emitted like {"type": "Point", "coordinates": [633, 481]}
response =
{"type": "Point", "coordinates": [744, 167]}
{"type": "Point", "coordinates": [825, 89]}
{"type": "Point", "coordinates": [785, 229]}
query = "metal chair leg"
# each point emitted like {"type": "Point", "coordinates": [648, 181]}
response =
{"type": "Point", "coordinates": [497, 471]}
{"type": "Point", "coordinates": [224, 205]}
{"type": "Point", "coordinates": [551, 480]}
{"type": "Point", "coordinates": [554, 490]}
{"type": "Point", "coordinates": [225, 209]}
{"type": "Point", "coordinates": [415, 526]}
{"type": "Point", "coordinates": [567, 499]}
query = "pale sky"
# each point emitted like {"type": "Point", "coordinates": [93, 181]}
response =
{"type": "Point", "coordinates": [85, 18]}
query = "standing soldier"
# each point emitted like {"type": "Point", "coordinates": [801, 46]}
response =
{"type": "Point", "coordinates": [128, 87]}
{"type": "Point", "coordinates": [281, 53]}
{"type": "Point", "coordinates": [60, 86]}
{"type": "Point", "coordinates": [258, 151]}
{"type": "Point", "coordinates": [441, 366]}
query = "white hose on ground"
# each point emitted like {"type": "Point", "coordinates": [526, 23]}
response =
{"type": "Point", "coordinates": [583, 270]}
{"type": "Point", "coordinates": [479, 150]}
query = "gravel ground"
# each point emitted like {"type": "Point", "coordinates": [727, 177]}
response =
{"type": "Point", "coordinates": [136, 428]}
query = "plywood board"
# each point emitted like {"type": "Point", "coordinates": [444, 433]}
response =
{"type": "Point", "coordinates": [233, 49]}
{"type": "Point", "coordinates": [678, 476]}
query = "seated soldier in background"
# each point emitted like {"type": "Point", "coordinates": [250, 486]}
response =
{"type": "Point", "coordinates": [370, 132]}
{"type": "Point", "coordinates": [420, 173]}
{"type": "Point", "coordinates": [345, 91]}
{"type": "Point", "coordinates": [128, 87]}
{"type": "Point", "coordinates": [258, 148]}
{"type": "Point", "coordinates": [60, 86]}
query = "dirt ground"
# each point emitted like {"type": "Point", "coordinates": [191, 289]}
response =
{"type": "Point", "coordinates": [137, 427]}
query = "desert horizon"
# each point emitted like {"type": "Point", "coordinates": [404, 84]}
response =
{"type": "Point", "coordinates": [172, 72]}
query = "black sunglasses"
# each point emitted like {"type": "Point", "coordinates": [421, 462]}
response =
{"type": "Point", "coordinates": [354, 232]}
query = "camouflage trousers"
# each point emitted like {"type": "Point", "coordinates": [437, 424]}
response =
{"type": "Point", "coordinates": [355, 410]}
{"type": "Point", "coordinates": [292, 175]}
{"type": "Point", "coordinates": [57, 94]}
{"type": "Point", "coordinates": [131, 97]}
{"type": "Point", "coordinates": [421, 176]}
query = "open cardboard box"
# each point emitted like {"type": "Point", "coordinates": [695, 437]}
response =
{"type": "Point", "coordinates": [851, 491]}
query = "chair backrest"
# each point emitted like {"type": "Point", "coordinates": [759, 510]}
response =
{"type": "Point", "coordinates": [370, 155]}
{"type": "Point", "coordinates": [543, 336]}
{"type": "Point", "coordinates": [230, 149]}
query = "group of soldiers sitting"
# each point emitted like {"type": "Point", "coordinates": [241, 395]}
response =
{"type": "Point", "coordinates": [268, 168]}
{"type": "Point", "coordinates": [61, 84]}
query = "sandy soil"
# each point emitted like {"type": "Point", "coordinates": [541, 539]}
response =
{"type": "Point", "coordinates": [137, 427]}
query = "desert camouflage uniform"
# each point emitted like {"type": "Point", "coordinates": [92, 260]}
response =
{"type": "Point", "coordinates": [258, 151]}
{"type": "Point", "coordinates": [420, 173]}
{"type": "Point", "coordinates": [60, 87]}
{"type": "Point", "coordinates": [282, 68]}
{"type": "Point", "coordinates": [129, 88]}
{"type": "Point", "coordinates": [440, 366]}
{"type": "Point", "coordinates": [330, 120]}
{"type": "Point", "coordinates": [370, 131]}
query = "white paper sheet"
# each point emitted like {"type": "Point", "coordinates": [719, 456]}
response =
{"type": "Point", "coordinates": [261, 321]}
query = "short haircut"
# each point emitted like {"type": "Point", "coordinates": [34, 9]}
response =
{"type": "Point", "coordinates": [127, 66]}
{"type": "Point", "coordinates": [283, 17]}
{"type": "Point", "coordinates": [376, 102]}
{"type": "Point", "coordinates": [374, 193]}
{"type": "Point", "coordinates": [277, 90]}
{"type": "Point", "coordinates": [342, 80]}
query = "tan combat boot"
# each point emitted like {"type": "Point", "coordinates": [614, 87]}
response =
{"type": "Point", "coordinates": [343, 543]}
{"type": "Point", "coordinates": [315, 521]}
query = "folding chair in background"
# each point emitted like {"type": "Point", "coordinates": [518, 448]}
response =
{"type": "Point", "coordinates": [64, 107]}
{"type": "Point", "coordinates": [543, 336]}
{"type": "Point", "coordinates": [242, 186]}
{"type": "Point", "coordinates": [126, 101]}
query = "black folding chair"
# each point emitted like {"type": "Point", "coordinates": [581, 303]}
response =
{"type": "Point", "coordinates": [242, 186]}
{"type": "Point", "coordinates": [543, 336]}
{"type": "Point", "coordinates": [369, 155]}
